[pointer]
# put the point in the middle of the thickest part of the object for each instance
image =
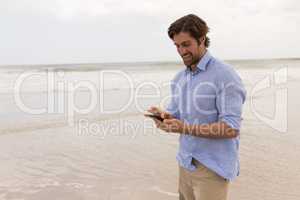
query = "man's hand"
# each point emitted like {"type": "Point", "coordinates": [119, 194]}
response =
{"type": "Point", "coordinates": [171, 125]}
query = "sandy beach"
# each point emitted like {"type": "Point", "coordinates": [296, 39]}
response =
{"type": "Point", "coordinates": [122, 156]}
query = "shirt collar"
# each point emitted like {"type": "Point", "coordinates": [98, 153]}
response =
{"type": "Point", "coordinates": [202, 64]}
{"type": "Point", "coordinates": [204, 61]}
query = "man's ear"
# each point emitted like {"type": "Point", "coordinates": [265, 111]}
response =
{"type": "Point", "coordinates": [201, 40]}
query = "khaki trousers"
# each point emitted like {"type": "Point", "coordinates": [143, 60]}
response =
{"type": "Point", "coordinates": [202, 184]}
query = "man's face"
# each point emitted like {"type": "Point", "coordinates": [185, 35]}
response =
{"type": "Point", "coordinates": [188, 48]}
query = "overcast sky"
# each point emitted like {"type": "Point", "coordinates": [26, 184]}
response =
{"type": "Point", "coordinates": [91, 31]}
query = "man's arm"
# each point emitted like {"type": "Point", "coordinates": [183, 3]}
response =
{"type": "Point", "coordinates": [216, 130]}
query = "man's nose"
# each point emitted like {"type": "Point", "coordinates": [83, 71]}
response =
{"type": "Point", "coordinates": [182, 50]}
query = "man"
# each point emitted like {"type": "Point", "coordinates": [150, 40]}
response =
{"type": "Point", "coordinates": [205, 109]}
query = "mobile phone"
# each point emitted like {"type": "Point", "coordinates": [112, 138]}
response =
{"type": "Point", "coordinates": [155, 117]}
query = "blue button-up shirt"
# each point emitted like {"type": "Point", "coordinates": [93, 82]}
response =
{"type": "Point", "coordinates": [213, 92]}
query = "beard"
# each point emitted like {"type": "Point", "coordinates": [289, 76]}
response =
{"type": "Point", "coordinates": [190, 61]}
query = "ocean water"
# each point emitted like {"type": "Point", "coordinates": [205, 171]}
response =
{"type": "Point", "coordinates": [55, 92]}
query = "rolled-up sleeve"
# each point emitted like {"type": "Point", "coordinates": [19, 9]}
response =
{"type": "Point", "coordinates": [230, 99]}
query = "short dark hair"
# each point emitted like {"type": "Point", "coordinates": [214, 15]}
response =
{"type": "Point", "coordinates": [191, 24]}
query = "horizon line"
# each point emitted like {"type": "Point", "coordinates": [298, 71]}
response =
{"type": "Point", "coordinates": [145, 62]}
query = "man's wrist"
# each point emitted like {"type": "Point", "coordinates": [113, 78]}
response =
{"type": "Point", "coordinates": [186, 129]}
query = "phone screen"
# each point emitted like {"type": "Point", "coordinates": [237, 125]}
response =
{"type": "Point", "coordinates": [154, 116]}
